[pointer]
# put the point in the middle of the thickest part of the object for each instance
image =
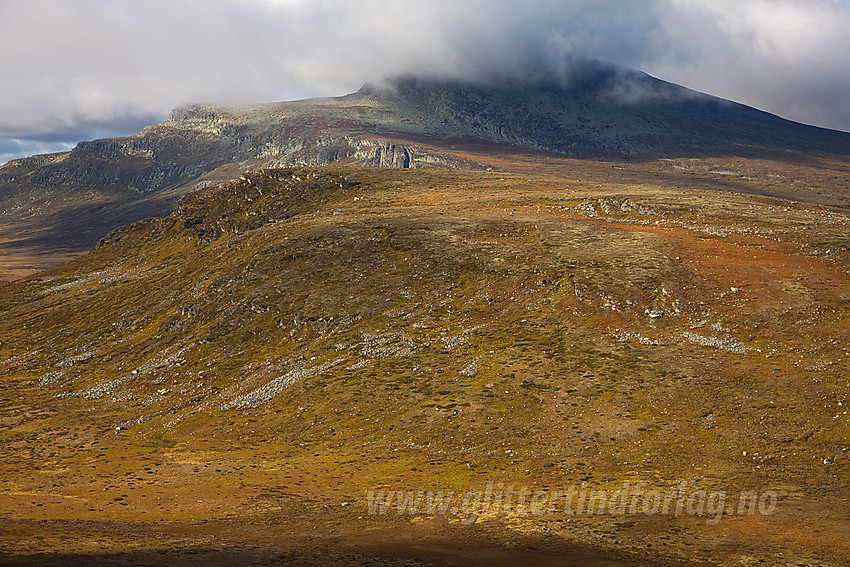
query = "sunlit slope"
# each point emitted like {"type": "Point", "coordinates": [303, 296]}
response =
{"type": "Point", "coordinates": [306, 335]}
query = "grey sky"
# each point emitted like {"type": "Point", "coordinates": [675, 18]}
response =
{"type": "Point", "coordinates": [81, 69]}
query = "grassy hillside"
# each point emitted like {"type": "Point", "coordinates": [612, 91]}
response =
{"type": "Point", "coordinates": [232, 380]}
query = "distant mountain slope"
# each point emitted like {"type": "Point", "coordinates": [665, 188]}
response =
{"type": "Point", "coordinates": [601, 111]}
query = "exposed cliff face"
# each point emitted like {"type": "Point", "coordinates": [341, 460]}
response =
{"type": "Point", "coordinates": [390, 155]}
{"type": "Point", "coordinates": [196, 140]}
{"type": "Point", "coordinates": [139, 163]}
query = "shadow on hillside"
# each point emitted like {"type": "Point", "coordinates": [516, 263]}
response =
{"type": "Point", "coordinates": [326, 557]}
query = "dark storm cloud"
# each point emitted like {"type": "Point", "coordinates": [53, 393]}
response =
{"type": "Point", "coordinates": [78, 69]}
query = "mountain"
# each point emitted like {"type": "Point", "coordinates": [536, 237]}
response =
{"type": "Point", "coordinates": [598, 111]}
{"type": "Point", "coordinates": [495, 349]}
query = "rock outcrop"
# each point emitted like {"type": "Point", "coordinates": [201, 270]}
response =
{"type": "Point", "coordinates": [391, 155]}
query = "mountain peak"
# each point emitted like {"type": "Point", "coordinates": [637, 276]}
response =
{"type": "Point", "coordinates": [580, 75]}
{"type": "Point", "coordinates": [592, 108]}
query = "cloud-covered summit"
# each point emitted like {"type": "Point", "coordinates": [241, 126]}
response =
{"type": "Point", "coordinates": [78, 69]}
